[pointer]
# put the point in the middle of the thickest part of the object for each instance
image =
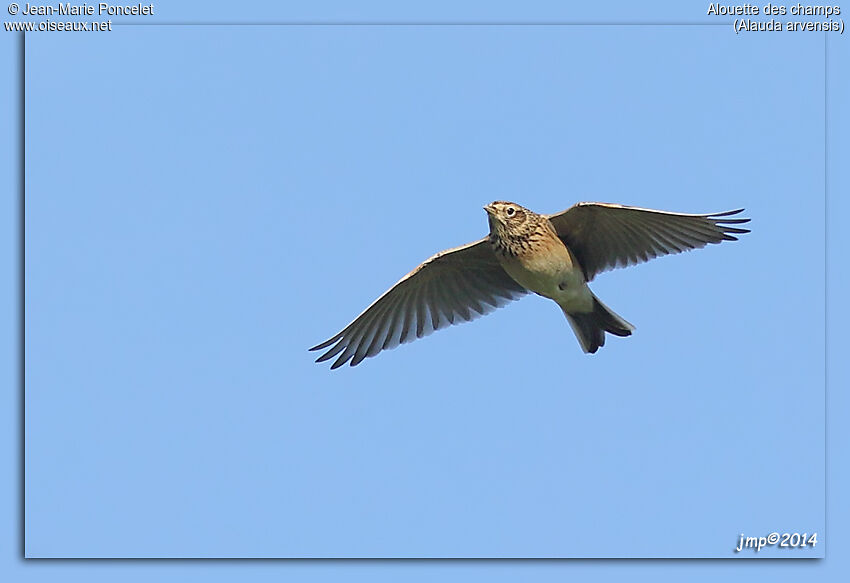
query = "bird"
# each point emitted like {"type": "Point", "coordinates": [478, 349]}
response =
{"type": "Point", "coordinates": [554, 256]}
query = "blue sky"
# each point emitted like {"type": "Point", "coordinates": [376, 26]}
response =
{"type": "Point", "coordinates": [205, 203]}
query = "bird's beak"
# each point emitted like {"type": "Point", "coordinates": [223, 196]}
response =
{"type": "Point", "coordinates": [490, 210]}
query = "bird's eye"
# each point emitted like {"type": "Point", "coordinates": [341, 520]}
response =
{"type": "Point", "coordinates": [510, 211]}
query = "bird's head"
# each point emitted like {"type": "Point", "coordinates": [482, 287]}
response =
{"type": "Point", "coordinates": [508, 219]}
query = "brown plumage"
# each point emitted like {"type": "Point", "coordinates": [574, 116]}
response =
{"type": "Point", "coordinates": [551, 255]}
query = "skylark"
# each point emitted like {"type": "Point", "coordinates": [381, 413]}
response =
{"type": "Point", "coordinates": [554, 256]}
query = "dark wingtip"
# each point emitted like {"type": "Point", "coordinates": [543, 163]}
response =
{"type": "Point", "coordinates": [719, 219]}
{"type": "Point", "coordinates": [726, 235]}
{"type": "Point", "coordinates": [339, 362]}
{"type": "Point", "coordinates": [724, 224]}
{"type": "Point", "coordinates": [324, 344]}
{"type": "Point", "coordinates": [727, 213]}
{"type": "Point", "coordinates": [328, 342]}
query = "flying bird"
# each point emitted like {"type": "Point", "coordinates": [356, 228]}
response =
{"type": "Point", "coordinates": [554, 256]}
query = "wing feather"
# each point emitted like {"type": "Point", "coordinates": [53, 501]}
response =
{"type": "Point", "coordinates": [605, 236]}
{"type": "Point", "coordinates": [455, 285]}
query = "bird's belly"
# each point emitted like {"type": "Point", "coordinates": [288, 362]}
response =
{"type": "Point", "coordinates": [551, 274]}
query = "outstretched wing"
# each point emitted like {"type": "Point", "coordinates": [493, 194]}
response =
{"type": "Point", "coordinates": [455, 285]}
{"type": "Point", "coordinates": [606, 236]}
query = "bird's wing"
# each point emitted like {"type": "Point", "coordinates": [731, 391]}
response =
{"type": "Point", "coordinates": [606, 236]}
{"type": "Point", "coordinates": [456, 285]}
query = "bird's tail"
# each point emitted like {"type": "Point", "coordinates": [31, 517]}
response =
{"type": "Point", "coordinates": [590, 327]}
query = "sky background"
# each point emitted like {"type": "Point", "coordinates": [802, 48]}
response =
{"type": "Point", "coordinates": [241, 193]}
